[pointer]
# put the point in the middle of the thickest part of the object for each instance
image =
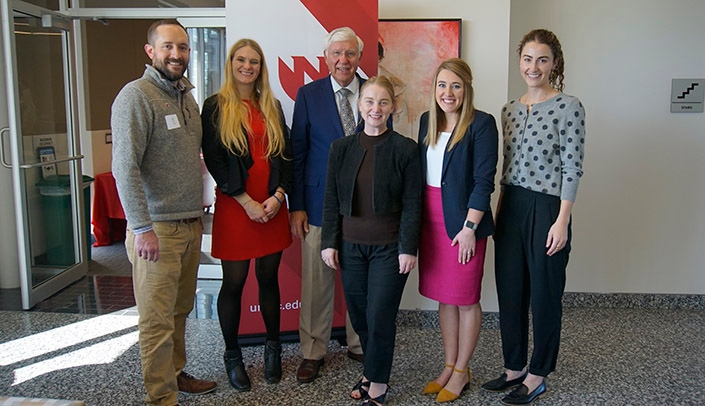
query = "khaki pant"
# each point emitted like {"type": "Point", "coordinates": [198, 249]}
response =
{"type": "Point", "coordinates": [164, 292]}
{"type": "Point", "coordinates": [318, 300]}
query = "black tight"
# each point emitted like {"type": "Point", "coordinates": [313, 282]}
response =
{"type": "Point", "coordinates": [230, 296]}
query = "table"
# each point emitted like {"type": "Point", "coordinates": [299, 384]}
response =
{"type": "Point", "coordinates": [108, 219]}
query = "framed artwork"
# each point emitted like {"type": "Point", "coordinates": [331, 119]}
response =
{"type": "Point", "coordinates": [409, 52]}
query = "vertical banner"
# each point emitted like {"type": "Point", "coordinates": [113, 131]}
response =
{"type": "Point", "coordinates": [291, 34]}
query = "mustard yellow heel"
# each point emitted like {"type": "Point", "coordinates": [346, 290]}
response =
{"type": "Point", "coordinates": [447, 396]}
{"type": "Point", "coordinates": [434, 387]}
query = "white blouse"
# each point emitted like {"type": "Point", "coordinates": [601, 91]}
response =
{"type": "Point", "coordinates": [434, 159]}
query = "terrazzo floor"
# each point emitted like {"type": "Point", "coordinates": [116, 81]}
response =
{"type": "Point", "coordinates": [81, 344]}
{"type": "Point", "coordinates": [609, 356]}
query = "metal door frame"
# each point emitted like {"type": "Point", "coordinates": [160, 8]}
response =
{"type": "Point", "coordinates": [188, 17]}
{"type": "Point", "coordinates": [34, 294]}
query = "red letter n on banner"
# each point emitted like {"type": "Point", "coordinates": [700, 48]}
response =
{"type": "Point", "coordinates": [292, 80]}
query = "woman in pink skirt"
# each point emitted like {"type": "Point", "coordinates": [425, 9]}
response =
{"type": "Point", "coordinates": [458, 146]}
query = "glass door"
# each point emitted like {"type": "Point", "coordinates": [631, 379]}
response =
{"type": "Point", "coordinates": [205, 71]}
{"type": "Point", "coordinates": [50, 192]}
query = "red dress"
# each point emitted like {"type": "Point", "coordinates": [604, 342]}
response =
{"type": "Point", "coordinates": [235, 236]}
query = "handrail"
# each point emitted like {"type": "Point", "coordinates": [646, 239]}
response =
{"type": "Point", "coordinates": [2, 148]}
{"type": "Point", "coordinates": [56, 161]}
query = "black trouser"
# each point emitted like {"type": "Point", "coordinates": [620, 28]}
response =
{"type": "Point", "coordinates": [373, 288]}
{"type": "Point", "coordinates": [527, 277]}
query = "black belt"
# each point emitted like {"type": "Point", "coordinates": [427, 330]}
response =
{"type": "Point", "coordinates": [188, 221]}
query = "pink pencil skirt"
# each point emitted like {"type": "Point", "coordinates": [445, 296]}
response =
{"type": "Point", "coordinates": [441, 276]}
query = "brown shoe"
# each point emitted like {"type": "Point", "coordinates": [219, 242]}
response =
{"type": "Point", "coordinates": [188, 384]}
{"type": "Point", "coordinates": [308, 370]}
{"type": "Point", "coordinates": [356, 357]}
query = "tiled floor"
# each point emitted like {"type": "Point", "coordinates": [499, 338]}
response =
{"type": "Point", "coordinates": [108, 288]}
{"type": "Point", "coordinates": [89, 295]}
{"type": "Point", "coordinates": [103, 294]}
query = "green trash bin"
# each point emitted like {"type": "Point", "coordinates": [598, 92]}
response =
{"type": "Point", "coordinates": [58, 221]}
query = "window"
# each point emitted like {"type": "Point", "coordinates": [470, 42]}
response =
{"type": "Point", "coordinates": [208, 55]}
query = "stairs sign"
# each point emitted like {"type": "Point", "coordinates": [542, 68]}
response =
{"type": "Point", "coordinates": [687, 95]}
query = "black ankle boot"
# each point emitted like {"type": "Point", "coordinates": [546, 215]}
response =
{"type": "Point", "coordinates": [236, 370]}
{"type": "Point", "coordinates": [272, 361]}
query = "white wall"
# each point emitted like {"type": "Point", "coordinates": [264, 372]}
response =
{"type": "Point", "coordinates": [102, 152]}
{"type": "Point", "coordinates": [485, 35]}
{"type": "Point", "coordinates": [639, 219]}
{"type": "Point", "coordinates": [639, 223]}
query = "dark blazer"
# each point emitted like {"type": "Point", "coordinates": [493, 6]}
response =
{"type": "Point", "coordinates": [315, 125]}
{"type": "Point", "coordinates": [230, 171]}
{"type": "Point", "coordinates": [467, 178]}
{"type": "Point", "coordinates": [397, 187]}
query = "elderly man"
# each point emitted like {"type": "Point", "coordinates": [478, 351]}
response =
{"type": "Point", "coordinates": [325, 110]}
{"type": "Point", "coordinates": [156, 144]}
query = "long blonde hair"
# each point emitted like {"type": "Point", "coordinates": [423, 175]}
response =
{"type": "Point", "coordinates": [233, 121]}
{"type": "Point", "coordinates": [436, 116]}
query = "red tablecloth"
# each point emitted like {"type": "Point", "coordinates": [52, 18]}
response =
{"type": "Point", "coordinates": [108, 216]}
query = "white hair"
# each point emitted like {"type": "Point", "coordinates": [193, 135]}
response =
{"type": "Point", "coordinates": [343, 34]}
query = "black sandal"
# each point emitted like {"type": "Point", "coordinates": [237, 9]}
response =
{"type": "Point", "coordinates": [362, 388]}
{"type": "Point", "coordinates": [378, 401]}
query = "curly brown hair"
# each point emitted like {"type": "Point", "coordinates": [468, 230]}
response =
{"type": "Point", "coordinates": [543, 36]}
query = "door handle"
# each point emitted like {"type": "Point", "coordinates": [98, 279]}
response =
{"type": "Point", "coordinates": [56, 161]}
{"type": "Point", "coordinates": [27, 166]}
{"type": "Point", "coordinates": [2, 147]}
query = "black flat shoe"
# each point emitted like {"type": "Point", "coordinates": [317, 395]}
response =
{"type": "Point", "coordinates": [522, 396]}
{"type": "Point", "coordinates": [501, 384]}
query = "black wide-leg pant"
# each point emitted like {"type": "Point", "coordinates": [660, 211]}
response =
{"type": "Point", "coordinates": [373, 288]}
{"type": "Point", "coordinates": [528, 278]}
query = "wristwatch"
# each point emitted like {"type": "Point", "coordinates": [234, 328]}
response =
{"type": "Point", "coordinates": [469, 224]}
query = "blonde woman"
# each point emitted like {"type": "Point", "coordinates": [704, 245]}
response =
{"type": "Point", "coordinates": [246, 149]}
{"type": "Point", "coordinates": [458, 147]}
{"type": "Point", "coordinates": [371, 230]}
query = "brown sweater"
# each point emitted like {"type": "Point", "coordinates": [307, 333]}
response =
{"type": "Point", "coordinates": [365, 227]}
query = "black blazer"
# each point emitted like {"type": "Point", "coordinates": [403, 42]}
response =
{"type": "Point", "coordinates": [467, 178]}
{"type": "Point", "coordinates": [397, 187]}
{"type": "Point", "coordinates": [230, 171]}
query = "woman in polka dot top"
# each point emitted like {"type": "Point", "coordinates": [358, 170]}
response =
{"type": "Point", "coordinates": [544, 138]}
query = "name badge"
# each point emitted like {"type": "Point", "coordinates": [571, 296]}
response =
{"type": "Point", "coordinates": [172, 121]}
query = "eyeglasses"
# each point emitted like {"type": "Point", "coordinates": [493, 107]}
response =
{"type": "Point", "coordinates": [348, 54]}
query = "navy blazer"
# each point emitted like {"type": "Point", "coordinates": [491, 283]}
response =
{"type": "Point", "coordinates": [315, 125]}
{"type": "Point", "coordinates": [467, 177]}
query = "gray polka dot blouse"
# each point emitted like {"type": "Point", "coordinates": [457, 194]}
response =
{"type": "Point", "coordinates": [543, 150]}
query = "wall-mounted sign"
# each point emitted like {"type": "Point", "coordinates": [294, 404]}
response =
{"type": "Point", "coordinates": [687, 95]}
